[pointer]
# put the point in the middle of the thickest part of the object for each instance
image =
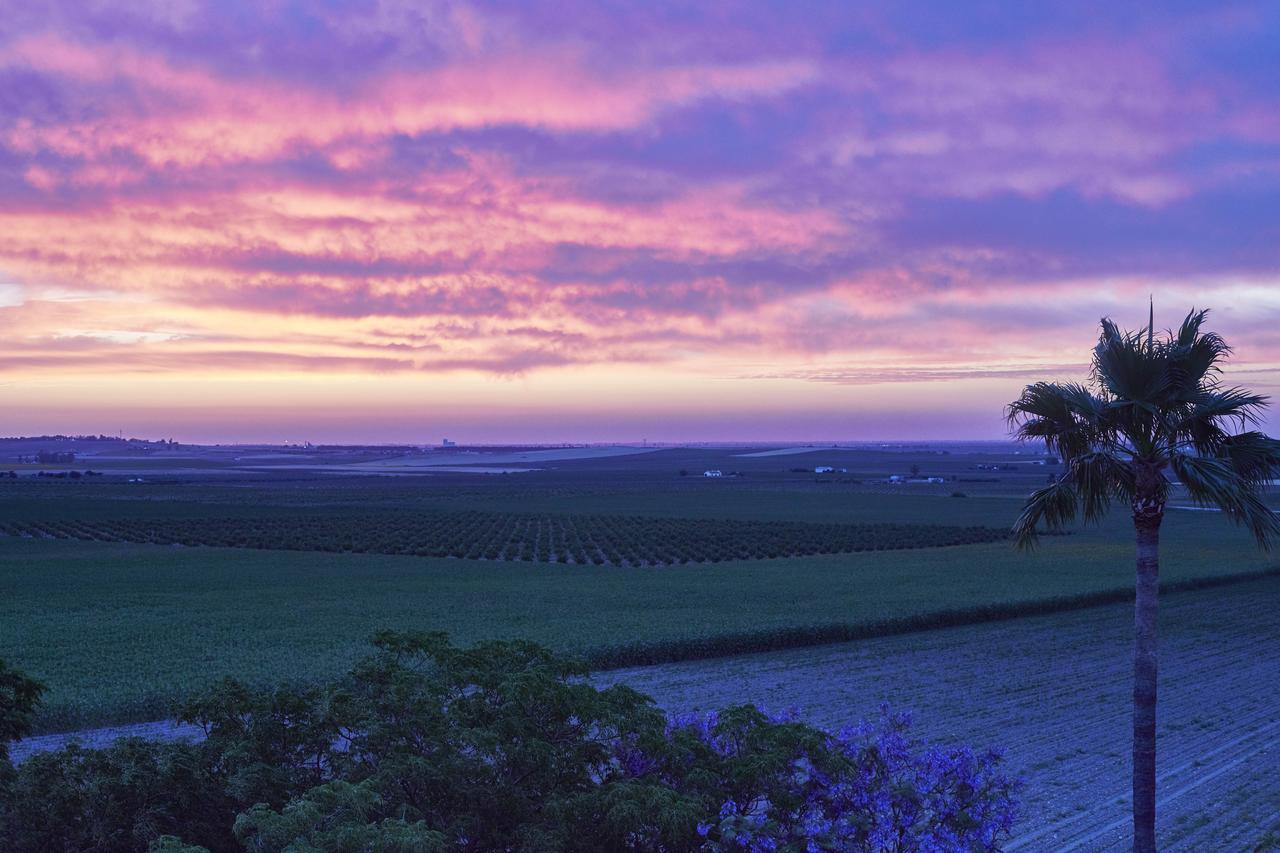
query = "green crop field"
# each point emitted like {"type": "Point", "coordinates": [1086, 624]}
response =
{"type": "Point", "coordinates": [119, 631]}
{"type": "Point", "coordinates": [624, 559]}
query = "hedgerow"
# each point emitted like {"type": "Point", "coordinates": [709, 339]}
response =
{"type": "Point", "coordinates": [581, 539]}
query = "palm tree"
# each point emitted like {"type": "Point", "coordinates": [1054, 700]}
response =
{"type": "Point", "coordinates": [1153, 405]}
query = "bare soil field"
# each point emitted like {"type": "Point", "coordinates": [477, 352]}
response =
{"type": "Point", "coordinates": [1055, 693]}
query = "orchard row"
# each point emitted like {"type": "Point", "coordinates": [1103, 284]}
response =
{"type": "Point", "coordinates": [475, 535]}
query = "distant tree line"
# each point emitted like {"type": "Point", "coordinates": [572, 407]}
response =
{"type": "Point", "coordinates": [86, 438]}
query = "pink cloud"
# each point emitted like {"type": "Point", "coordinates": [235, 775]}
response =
{"type": "Point", "coordinates": [184, 116]}
{"type": "Point", "coordinates": [827, 200]}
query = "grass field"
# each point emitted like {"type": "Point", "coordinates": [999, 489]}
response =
{"type": "Point", "coordinates": [119, 631]}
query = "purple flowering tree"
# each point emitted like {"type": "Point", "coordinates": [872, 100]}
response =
{"type": "Point", "coordinates": [869, 787]}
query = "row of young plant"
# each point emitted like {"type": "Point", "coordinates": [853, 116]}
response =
{"type": "Point", "coordinates": [580, 539]}
{"type": "Point", "coordinates": [502, 746]}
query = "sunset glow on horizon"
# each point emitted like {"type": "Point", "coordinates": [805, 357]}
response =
{"type": "Point", "coordinates": [545, 222]}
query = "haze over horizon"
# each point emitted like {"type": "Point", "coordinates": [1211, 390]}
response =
{"type": "Point", "coordinates": [547, 222]}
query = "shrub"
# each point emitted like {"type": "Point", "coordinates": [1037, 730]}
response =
{"type": "Point", "coordinates": [333, 816]}
{"type": "Point", "coordinates": [19, 697]}
{"type": "Point", "coordinates": [501, 746]}
{"type": "Point", "coordinates": [120, 798]}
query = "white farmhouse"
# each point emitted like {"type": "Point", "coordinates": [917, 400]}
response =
{"type": "Point", "coordinates": [823, 469]}
{"type": "Point", "coordinates": [712, 472]}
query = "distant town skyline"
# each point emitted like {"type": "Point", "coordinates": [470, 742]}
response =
{"type": "Point", "coordinates": [569, 222]}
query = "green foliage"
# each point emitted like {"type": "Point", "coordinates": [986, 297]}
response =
{"type": "Point", "coordinates": [269, 742]}
{"type": "Point", "coordinates": [19, 696]}
{"type": "Point", "coordinates": [120, 798]}
{"type": "Point", "coordinates": [173, 844]}
{"type": "Point", "coordinates": [336, 817]}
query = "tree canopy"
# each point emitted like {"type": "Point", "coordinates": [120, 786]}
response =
{"type": "Point", "coordinates": [1155, 404]}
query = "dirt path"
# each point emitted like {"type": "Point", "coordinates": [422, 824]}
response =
{"type": "Point", "coordinates": [166, 730]}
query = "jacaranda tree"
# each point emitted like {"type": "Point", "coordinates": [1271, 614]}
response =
{"type": "Point", "coordinates": [1154, 416]}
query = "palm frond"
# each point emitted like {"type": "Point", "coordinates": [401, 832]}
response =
{"type": "Point", "coordinates": [1205, 435]}
{"type": "Point", "coordinates": [1232, 404]}
{"type": "Point", "coordinates": [1098, 478]}
{"type": "Point", "coordinates": [1194, 356]}
{"type": "Point", "coordinates": [1189, 332]}
{"type": "Point", "coordinates": [1130, 372]}
{"type": "Point", "coordinates": [1214, 482]}
{"type": "Point", "coordinates": [1209, 481]}
{"type": "Point", "coordinates": [1262, 521]}
{"type": "Point", "coordinates": [1056, 505]}
{"type": "Point", "coordinates": [1204, 421]}
{"type": "Point", "coordinates": [1067, 416]}
{"type": "Point", "coordinates": [1253, 456]}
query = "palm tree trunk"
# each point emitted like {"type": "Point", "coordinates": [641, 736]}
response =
{"type": "Point", "coordinates": [1144, 682]}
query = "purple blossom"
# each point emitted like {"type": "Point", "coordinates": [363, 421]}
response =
{"type": "Point", "coordinates": [868, 787]}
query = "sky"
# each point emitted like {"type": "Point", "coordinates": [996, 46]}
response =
{"type": "Point", "coordinates": [560, 220]}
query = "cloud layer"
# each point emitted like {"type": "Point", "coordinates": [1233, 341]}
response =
{"type": "Point", "coordinates": [755, 195]}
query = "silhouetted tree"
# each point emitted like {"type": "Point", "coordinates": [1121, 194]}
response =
{"type": "Point", "coordinates": [1153, 405]}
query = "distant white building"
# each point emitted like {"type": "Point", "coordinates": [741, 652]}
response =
{"type": "Point", "coordinates": [448, 443]}
{"type": "Point", "coordinates": [823, 469]}
{"type": "Point", "coordinates": [896, 478]}
{"type": "Point", "coordinates": [712, 472]}
{"type": "Point", "coordinates": [936, 480]}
